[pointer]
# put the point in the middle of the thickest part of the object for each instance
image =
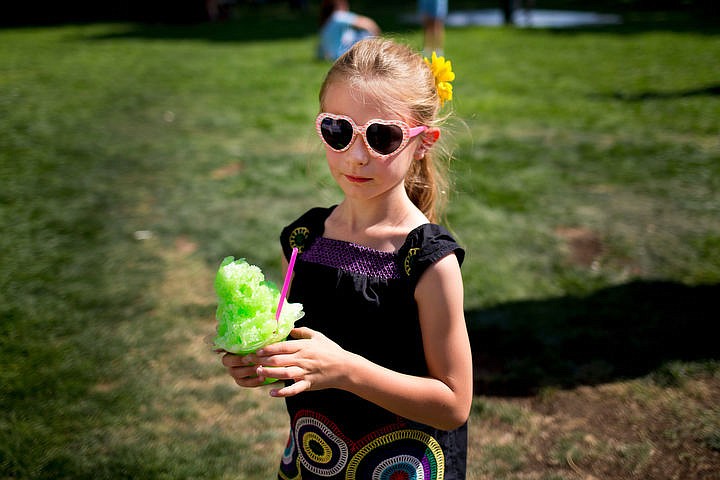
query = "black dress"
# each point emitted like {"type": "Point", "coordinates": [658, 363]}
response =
{"type": "Point", "coordinates": [363, 299]}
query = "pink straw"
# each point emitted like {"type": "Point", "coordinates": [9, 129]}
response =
{"type": "Point", "coordinates": [286, 284]}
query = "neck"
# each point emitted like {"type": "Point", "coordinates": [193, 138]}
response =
{"type": "Point", "coordinates": [359, 216]}
{"type": "Point", "coordinates": [382, 224]}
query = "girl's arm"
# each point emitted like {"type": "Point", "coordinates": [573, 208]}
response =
{"type": "Point", "coordinates": [366, 23]}
{"type": "Point", "coordinates": [441, 400]}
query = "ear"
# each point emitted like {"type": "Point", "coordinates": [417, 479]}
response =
{"type": "Point", "coordinates": [429, 137]}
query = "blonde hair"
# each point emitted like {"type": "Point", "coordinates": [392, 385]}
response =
{"type": "Point", "coordinates": [396, 76]}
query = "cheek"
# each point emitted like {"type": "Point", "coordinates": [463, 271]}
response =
{"type": "Point", "coordinates": [333, 159]}
{"type": "Point", "coordinates": [335, 164]}
{"type": "Point", "coordinates": [402, 162]}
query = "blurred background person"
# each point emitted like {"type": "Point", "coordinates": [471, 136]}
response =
{"type": "Point", "coordinates": [509, 7]}
{"type": "Point", "coordinates": [432, 16]}
{"type": "Point", "coordinates": [340, 28]}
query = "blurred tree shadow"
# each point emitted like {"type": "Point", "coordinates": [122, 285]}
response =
{"type": "Point", "coordinates": [276, 19]}
{"type": "Point", "coordinates": [255, 22]}
{"type": "Point", "coordinates": [704, 91]}
{"type": "Point", "coordinates": [243, 20]}
{"type": "Point", "coordinates": [243, 28]}
{"type": "Point", "coordinates": [619, 332]}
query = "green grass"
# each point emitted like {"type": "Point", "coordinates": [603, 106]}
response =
{"type": "Point", "coordinates": [134, 158]}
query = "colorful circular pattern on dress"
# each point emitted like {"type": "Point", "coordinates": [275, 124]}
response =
{"type": "Point", "coordinates": [402, 467]}
{"type": "Point", "coordinates": [289, 452]}
{"type": "Point", "coordinates": [403, 454]}
{"type": "Point", "coordinates": [316, 448]}
{"type": "Point", "coordinates": [321, 451]}
{"type": "Point", "coordinates": [298, 237]}
{"type": "Point", "coordinates": [290, 465]}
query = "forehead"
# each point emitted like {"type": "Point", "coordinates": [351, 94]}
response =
{"type": "Point", "coordinates": [359, 104]}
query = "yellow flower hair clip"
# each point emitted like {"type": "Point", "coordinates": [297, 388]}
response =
{"type": "Point", "coordinates": [442, 71]}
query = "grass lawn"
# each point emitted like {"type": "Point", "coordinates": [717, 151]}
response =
{"type": "Point", "coordinates": [586, 172]}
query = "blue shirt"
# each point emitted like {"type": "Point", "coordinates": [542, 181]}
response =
{"type": "Point", "coordinates": [338, 34]}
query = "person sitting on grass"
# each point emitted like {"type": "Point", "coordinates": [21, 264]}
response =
{"type": "Point", "coordinates": [340, 29]}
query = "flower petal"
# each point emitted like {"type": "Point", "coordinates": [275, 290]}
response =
{"type": "Point", "coordinates": [443, 74]}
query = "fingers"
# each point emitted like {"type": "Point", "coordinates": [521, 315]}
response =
{"type": "Point", "coordinates": [281, 373]}
{"type": "Point", "coordinates": [290, 390]}
{"type": "Point", "coordinates": [264, 357]}
{"type": "Point", "coordinates": [282, 361]}
{"type": "Point", "coordinates": [242, 369]}
{"type": "Point", "coordinates": [302, 332]}
{"type": "Point", "coordinates": [246, 376]}
{"type": "Point", "coordinates": [233, 360]}
{"type": "Point", "coordinates": [287, 347]}
{"type": "Point", "coordinates": [277, 359]}
{"type": "Point", "coordinates": [280, 348]}
{"type": "Point", "coordinates": [250, 382]}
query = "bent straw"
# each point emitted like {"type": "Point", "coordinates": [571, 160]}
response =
{"type": "Point", "coordinates": [286, 284]}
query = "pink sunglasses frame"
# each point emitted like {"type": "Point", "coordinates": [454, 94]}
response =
{"type": "Point", "coordinates": [407, 131]}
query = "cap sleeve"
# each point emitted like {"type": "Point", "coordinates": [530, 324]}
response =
{"type": "Point", "coordinates": [300, 233]}
{"type": "Point", "coordinates": [426, 245]}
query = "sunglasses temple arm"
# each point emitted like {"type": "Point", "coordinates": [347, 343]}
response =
{"type": "Point", "coordinates": [417, 130]}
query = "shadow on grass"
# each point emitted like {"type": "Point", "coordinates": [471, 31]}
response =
{"type": "Point", "coordinates": [248, 27]}
{"type": "Point", "coordinates": [706, 91]}
{"type": "Point", "coordinates": [619, 332]}
{"type": "Point", "coordinates": [266, 23]}
{"type": "Point", "coordinates": [255, 28]}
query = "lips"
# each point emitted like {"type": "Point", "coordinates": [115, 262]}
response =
{"type": "Point", "coordinates": [353, 179]}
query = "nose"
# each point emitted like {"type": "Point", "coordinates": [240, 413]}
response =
{"type": "Point", "coordinates": [358, 153]}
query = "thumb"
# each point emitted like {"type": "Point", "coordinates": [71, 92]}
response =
{"type": "Point", "coordinates": [302, 332]}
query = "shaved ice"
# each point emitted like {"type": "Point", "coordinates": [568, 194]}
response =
{"type": "Point", "coordinates": [246, 309]}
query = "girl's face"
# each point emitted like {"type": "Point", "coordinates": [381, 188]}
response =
{"type": "Point", "coordinates": [358, 172]}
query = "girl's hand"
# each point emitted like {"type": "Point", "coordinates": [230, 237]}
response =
{"type": "Point", "coordinates": [313, 361]}
{"type": "Point", "coordinates": [242, 369]}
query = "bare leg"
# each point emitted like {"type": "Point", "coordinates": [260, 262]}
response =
{"type": "Point", "coordinates": [434, 35]}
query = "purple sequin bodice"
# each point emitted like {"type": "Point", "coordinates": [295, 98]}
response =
{"type": "Point", "coordinates": [353, 258]}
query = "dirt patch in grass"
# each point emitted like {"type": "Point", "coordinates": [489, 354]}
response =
{"type": "Point", "coordinates": [624, 430]}
{"type": "Point", "coordinates": [584, 246]}
{"type": "Point", "coordinates": [226, 171]}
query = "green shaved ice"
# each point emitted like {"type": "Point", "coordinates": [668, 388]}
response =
{"type": "Point", "coordinates": [246, 309]}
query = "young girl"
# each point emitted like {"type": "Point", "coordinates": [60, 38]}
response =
{"type": "Point", "coordinates": [379, 375]}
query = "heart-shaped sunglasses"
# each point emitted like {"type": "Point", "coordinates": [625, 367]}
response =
{"type": "Point", "coordinates": [383, 138]}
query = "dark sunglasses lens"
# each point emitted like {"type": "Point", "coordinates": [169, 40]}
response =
{"type": "Point", "coordinates": [384, 139]}
{"type": "Point", "coordinates": [337, 133]}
